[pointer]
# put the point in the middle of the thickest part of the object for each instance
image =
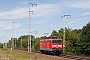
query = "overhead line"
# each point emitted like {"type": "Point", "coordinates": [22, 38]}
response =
{"type": "Point", "coordinates": [80, 16]}
{"type": "Point", "coordinates": [47, 7]}
{"type": "Point", "coordinates": [41, 3]}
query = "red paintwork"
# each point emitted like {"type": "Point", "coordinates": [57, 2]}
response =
{"type": "Point", "coordinates": [47, 44]}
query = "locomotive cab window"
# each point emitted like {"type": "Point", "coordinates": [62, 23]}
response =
{"type": "Point", "coordinates": [56, 41]}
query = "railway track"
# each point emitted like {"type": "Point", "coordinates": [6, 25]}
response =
{"type": "Point", "coordinates": [69, 56]}
{"type": "Point", "coordinates": [75, 57]}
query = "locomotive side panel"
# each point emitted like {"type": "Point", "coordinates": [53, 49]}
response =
{"type": "Point", "coordinates": [41, 46]}
{"type": "Point", "coordinates": [48, 44]}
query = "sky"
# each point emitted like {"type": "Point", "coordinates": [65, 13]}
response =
{"type": "Point", "coordinates": [45, 18]}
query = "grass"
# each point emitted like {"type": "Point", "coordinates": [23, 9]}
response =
{"type": "Point", "coordinates": [20, 55]}
{"type": "Point", "coordinates": [15, 54]}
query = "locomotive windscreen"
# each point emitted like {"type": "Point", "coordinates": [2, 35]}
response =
{"type": "Point", "coordinates": [56, 41]}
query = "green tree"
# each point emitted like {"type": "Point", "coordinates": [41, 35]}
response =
{"type": "Point", "coordinates": [54, 33]}
{"type": "Point", "coordinates": [9, 44]}
{"type": "Point", "coordinates": [84, 43]}
{"type": "Point", "coordinates": [37, 43]}
{"type": "Point", "coordinates": [71, 43]}
{"type": "Point", "coordinates": [60, 33]}
{"type": "Point", "coordinates": [24, 41]}
{"type": "Point", "coordinates": [1, 45]}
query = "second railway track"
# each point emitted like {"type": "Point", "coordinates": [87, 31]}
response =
{"type": "Point", "coordinates": [75, 57]}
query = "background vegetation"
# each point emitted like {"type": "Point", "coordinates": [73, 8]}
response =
{"type": "Point", "coordinates": [77, 41]}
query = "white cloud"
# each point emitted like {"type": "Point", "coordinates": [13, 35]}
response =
{"type": "Point", "coordinates": [7, 25]}
{"type": "Point", "coordinates": [47, 17]}
{"type": "Point", "coordinates": [84, 14]}
{"type": "Point", "coordinates": [73, 22]}
{"type": "Point", "coordinates": [40, 10]}
{"type": "Point", "coordinates": [24, 2]}
{"type": "Point", "coordinates": [13, 14]}
{"type": "Point", "coordinates": [82, 4]}
{"type": "Point", "coordinates": [40, 22]}
{"type": "Point", "coordinates": [2, 24]}
{"type": "Point", "coordinates": [46, 10]}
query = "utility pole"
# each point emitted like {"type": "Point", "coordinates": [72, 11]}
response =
{"type": "Point", "coordinates": [35, 32]}
{"type": "Point", "coordinates": [13, 26]}
{"type": "Point", "coordinates": [29, 28]}
{"type": "Point", "coordinates": [4, 40]}
{"type": "Point", "coordinates": [6, 37]}
{"type": "Point", "coordinates": [65, 16]}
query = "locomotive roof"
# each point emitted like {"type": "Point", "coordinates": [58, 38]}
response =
{"type": "Point", "coordinates": [51, 38]}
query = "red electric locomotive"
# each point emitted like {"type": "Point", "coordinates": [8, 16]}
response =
{"type": "Point", "coordinates": [51, 45]}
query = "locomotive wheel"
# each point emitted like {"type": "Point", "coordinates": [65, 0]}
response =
{"type": "Point", "coordinates": [57, 53]}
{"type": "Point", "coordinates": [41, 51]}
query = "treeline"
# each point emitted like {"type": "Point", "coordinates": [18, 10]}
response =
{"type": "Point", "coordinates": [21, 42]}
{"type": "Point", "coordinates": [77, 41]}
